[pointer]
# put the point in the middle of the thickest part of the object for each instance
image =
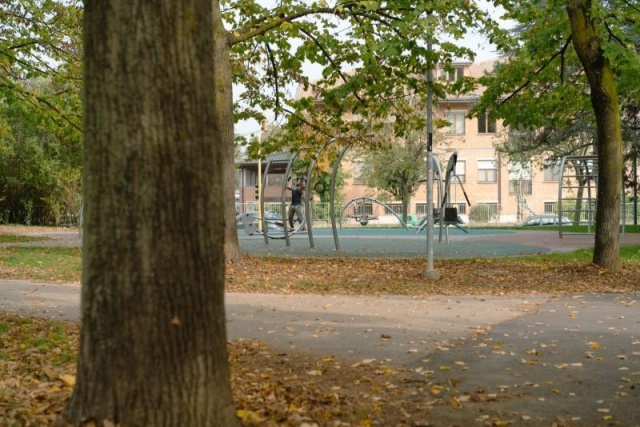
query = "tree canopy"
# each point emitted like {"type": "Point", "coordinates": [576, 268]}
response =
{"type": "Point", "coordinates": [41, 111]}
{"type": "Point", "coordinates": [373, 56]}
{"type": "Point", "coordinates": [561, 63]}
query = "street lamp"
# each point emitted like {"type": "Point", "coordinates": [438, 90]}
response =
{"type": "Point", "coordinates": [263, 127]}
{"type": "Point", "coordinates": [430, 272]}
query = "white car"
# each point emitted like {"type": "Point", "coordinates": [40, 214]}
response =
{"type": "Point", "coordinates": [536, 220]}
{"type": "Point", "coordinates": [248, 221]}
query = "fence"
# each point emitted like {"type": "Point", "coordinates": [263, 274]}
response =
{"type": "Point", "coordinates": [478, 215]}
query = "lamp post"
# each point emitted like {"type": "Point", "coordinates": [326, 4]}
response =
{"type": "Point", "coordinates": [430, 272]}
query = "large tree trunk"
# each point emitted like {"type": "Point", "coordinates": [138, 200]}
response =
{"type": "Point", "coordinates": [604, 99]}
{"type": "Point", "coordinates": [153, 340]}
{"type": "Point", "coordinates": [224, 110]}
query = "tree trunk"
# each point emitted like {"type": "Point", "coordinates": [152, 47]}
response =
{"type": "Point", "coordinates": [224, 109]}
{"type": "Point", "coordinates": [604, 99]}
{"type": "Point", "coordinates": [153, 340]}
{"type": "Point", "coordinates": [406, 199]}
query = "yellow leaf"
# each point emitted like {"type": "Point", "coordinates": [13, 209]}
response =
{"type": "Point", "coordinates": [265, 375]}
{"type": "Point", "coordinates": [455, 403]}
{"type": "Point", "coordinates": [594, 345]}
{"type": "Point", "coordinates": [69, 380]}
{"type": "Point", "coordinates": [248, 417]}
{"type": "Point", "coordinates": [436, 390]}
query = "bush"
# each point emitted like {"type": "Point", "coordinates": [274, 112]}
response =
{"type": "Point", "coordinates": [483, 213]}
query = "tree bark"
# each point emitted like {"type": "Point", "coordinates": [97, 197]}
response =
{"type": "Point", "coordinates": [153, 339]}
{"type": "Point", "coordinates": [224, 109]}
{"type": "Point", "coordinates": [604, 99]}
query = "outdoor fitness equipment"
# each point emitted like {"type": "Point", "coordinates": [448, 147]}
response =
{"type": "Point", "coordinates": [307, 199]}
{"type": "Point", "coordinates": [363, 219]}
{"type": "Point", "coordinates": [270, 234]}
{"type": "Point", "coordinates": [449, 215]}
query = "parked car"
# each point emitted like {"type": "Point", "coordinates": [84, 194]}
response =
{"type": "Point", "coordinates": [550, 219]}
{"type": "Point", "coordinates": [248, 221]}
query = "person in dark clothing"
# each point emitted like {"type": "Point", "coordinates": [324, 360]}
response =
{"type": "Point", "coordinates": [295, 208]}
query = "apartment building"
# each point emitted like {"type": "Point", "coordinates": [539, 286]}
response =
{"type": "Point", "coordinates": [503, 191]}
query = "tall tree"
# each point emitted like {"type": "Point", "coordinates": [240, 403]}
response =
{"type": "Point", "coordinates": [397, 169]}
{"type": "Point", "coordinates": [41, 109]}
{"type": "Point", "coordinates": [563, 62]}
{"type": "Point", "coordinates": [153, 341]}
{"type": "Point", "coordinates": [584, 21]}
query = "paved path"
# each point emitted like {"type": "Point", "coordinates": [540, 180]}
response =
{"type": "Point", "coordinates": [530, 360]}
{"type": "Point", "coordinates": [349, 326]}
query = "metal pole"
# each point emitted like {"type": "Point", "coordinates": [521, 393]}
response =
{"type": "Point", "coordinates": [262, 126]}
{"type": "Point", "coordinates": [635, 187]}
{"type": "Point", "coordinates": [430, 272]}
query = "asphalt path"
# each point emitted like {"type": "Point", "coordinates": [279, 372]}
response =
{"type": "Point", "coordinates": [530, 360]}
{"type": "Point", "coordinates": [572, 360]}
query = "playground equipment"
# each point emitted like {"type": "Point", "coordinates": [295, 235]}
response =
{"type": "Point", "coordinates": [449, 215]}
{"type": "Point", "coordinates": [446, 215]}
{"type": "Point", "coordinates": [579, 174]}
{"type": "Point", "coordinates": [363, 217]}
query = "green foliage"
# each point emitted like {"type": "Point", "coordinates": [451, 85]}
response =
{"type": "Point", "coordinates": [373, 56]}
{"type": "Point", "coordinates": [40, 105]}
{"type": "Point", "coordinates": [482, 213]}
{"type": "Point", "coordinates": [542, 90]}
{"type": "Point", "coordinates": [39, 168]}
{"type": "Point", "coordinates": [396, 168]}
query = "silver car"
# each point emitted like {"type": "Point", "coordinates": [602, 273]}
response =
{"type": "Point", "coordinates": [249, 221]}
{"type": "Point", "coordinates": [550, 219]}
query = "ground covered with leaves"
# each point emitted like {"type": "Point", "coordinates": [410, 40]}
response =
{"type": "Point", "coordinates": [37, 373]}
{"type": "Point", "coordinates": [37, 357]}
{"type": "Point", "coordinates": [366, 276]}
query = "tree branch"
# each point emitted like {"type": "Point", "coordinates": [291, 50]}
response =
{"type": "Point", "coordinates": [561, 53]}
{"type": "Point", "coordinates": [272, 61]}
{"type": "Point", "coordinates": [244, 34]}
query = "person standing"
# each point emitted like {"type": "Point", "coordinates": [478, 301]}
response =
{"type": "Point", "coordinates": [295, 208]}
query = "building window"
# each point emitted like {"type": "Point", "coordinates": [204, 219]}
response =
{"type": "Point", "coordinates": [552, 172]}
{"type": "Point", "coordinates": [394, 208]}
{"type": "Point", "coordinates": [520, 186]}
{"type": "Point", "coordinates": [484, 212]}
{"type": "Point", "coordinates": [461, 168]}
{"type": "Point", "coordinates": [421, 208]}
{"type": "Point", "coordinates": [487, 171]}
{"type": "Point", "coordinates": [456, 118]}
{"type": "Point", "coordinates": [364, 208]}
{"type": "Point", "coordinates": [452, 75]}
{"type": "Point", "coordinates": [519, 178]}
{"type": "Point", "coordinates": [550, 207]}
{"type": "Point", "coordinates": [486, 124]}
